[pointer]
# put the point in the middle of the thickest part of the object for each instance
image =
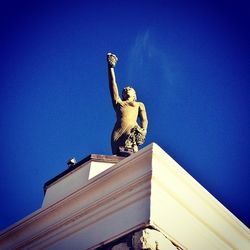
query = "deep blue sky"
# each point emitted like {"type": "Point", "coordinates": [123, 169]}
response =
{"type": "Point", "coordinates": [188, 61]}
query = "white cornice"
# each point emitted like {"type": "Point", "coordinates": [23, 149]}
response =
{"type": "Point", "coordinates": [146, 189]}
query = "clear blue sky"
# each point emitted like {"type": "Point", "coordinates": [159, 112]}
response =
{"type": "Point", "coordinates": [188, 61]}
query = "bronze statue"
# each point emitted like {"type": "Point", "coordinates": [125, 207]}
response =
{"type": "Point", "coordinates": [127, 134]}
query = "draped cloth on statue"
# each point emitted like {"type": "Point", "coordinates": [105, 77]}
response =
{"type": "Point", "coordinates": [127, 113]}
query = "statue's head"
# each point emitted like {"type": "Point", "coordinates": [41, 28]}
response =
{"type": "Point", "coordinates": [128, 92]}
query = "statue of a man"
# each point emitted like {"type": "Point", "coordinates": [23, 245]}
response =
{"type": "Point", "coordinates": [127, 134]}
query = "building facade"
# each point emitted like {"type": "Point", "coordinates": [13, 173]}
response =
{"type": "Point", "coordinates": [144, 201]}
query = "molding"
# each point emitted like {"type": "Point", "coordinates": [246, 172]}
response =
{"type": "Point", "coordinates": [116, 190]}
{"type": "Point", "coordinates": [196, 210]}
{"type": "Point", "coordinates": [146, 189]}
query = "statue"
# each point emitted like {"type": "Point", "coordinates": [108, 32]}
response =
{"type": "Point", "coordinates": [127, 134]}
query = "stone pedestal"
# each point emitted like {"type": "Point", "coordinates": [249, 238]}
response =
{"type": "Point", "coordinates": [144, 201]}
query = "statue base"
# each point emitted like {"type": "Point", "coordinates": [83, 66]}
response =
{"type": "Point", "coordinates": [125, 152]}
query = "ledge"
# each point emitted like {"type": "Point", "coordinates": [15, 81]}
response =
{"type": "Point", "coordinates": [146, 189]}
{"type": "Point", "coordinates": [92, 157]}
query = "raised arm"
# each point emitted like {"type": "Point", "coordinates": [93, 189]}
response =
{"type": "Point", "coordinates": [112, 60]}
